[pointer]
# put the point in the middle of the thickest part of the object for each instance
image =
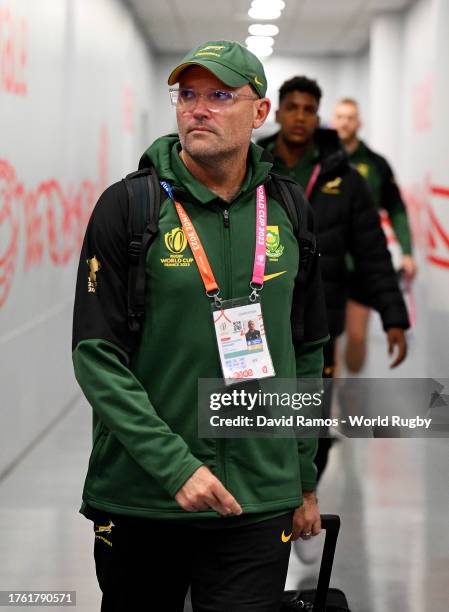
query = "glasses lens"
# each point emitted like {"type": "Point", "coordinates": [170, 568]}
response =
{"type": "Point", "coordinates": [186, 97]}
{"type": "Point", "coordinates": [173, 96]}
{"type": "Point", "coordinates": [216, 98]}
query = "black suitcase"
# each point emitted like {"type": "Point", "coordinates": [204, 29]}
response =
{"type": "Point", "coordinates": [321, 599]}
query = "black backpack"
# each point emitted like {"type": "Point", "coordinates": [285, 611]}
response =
{"type": "Point", "coordinates": [144, 198]}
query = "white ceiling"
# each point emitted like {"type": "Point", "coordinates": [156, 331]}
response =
{"type": "Point", "coordinates": [307, 27]}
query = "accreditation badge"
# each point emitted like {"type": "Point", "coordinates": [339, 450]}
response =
{"type": "Point", "coordinates": [242, 342]}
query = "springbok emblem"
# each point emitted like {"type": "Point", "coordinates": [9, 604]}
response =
{"type": "Point", "coordinates": [94, 267]}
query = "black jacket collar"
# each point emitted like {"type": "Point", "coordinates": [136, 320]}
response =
{"type": "Point", "coordinates": [332, 154]}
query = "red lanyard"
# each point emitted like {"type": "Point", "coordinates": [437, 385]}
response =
{"type": "Point", "coordinates": [198, 252]}
{"type": "Point", "coordinates": [312, 180]}
{"type": "Point", "coordinates": [197, 249]}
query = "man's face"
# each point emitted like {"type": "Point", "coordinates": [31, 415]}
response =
{"type": "Point", "coordinates": [206, 134]}
{"type": "Point", "coordinates": [346, 121]}
{"type": "Point", "coordinates": [298, 117]}
{"type": "Point", "coordinates": [251, 325]}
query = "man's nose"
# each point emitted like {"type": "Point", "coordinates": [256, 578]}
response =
{"type": "Point", "coordinates": [200, 107]}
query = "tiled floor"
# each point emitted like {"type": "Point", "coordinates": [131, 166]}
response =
{"type": "Point", "coordinates": [392, 495]}
{"type": "Point", "coordinates": [44, 542]}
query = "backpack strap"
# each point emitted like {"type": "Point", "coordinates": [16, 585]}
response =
{"type": "Point", "coordinates": [298, 209]}
{"type": "Point", "coordinates": [292, 197]}
{"type": "Point", "coordinates": [144, 200]}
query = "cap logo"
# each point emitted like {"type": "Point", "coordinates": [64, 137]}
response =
{"type": "Point", "coordinates": [212, 47]}
{"type": "Point", "coordinates": [256, 81]}
{"type": "Point", "coordinates": [206, 53]}
{"type": "Point", "coordinates": [210, 50]}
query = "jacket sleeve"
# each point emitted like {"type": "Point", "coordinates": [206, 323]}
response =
{"type": "Point", "coordinates": [102, 347]}
{"type": "Point", "coordinates": [393, 203]}
{"type": "Point", "coordinates": [375, 281]}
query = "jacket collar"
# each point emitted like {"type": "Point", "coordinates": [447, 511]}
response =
{"type": "Point", "coordinates": [163, 154]}
{"type": "Point", "coordinates": [332, 156]}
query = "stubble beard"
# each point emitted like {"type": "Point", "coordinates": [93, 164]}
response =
{"type": "Point", "coordinates": [209, 153]}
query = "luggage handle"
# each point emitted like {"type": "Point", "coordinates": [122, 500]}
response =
{"type": "Point", "coordinates": [331, 524]}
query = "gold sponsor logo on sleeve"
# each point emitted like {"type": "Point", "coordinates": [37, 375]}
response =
{"type": "Point", "coordinates": [94, 267]}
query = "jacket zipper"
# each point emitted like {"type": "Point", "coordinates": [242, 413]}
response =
{"type": "Point", "coordinates": [221, 442]}
{"type": "Point", "coordinates": [228, 265]}
{"type": "Point", "coordinates": [226, 217]}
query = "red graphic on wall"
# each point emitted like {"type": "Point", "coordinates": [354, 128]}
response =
{"type": "Point", "coordinates": [429, 230]}
{"type": "Point", "coordinates": [9, 226]}
{"type": "Point", "coordinates": [50, 219]}
{"type": "Point", "coordinates": [438, 234]}
{"type": "Point", "coordinates": [13, 52]}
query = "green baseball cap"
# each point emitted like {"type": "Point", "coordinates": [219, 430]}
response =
{"type": "Point", "coordinates": [229, 61]}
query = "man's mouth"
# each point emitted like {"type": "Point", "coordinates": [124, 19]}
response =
{"type": "Point", "coordinates": [200, 129]}
{"type": "Point", "coordinates": [300, 131]}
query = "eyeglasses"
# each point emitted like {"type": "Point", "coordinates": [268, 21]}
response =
{"type": "Point", "coordinates": [216, 99]}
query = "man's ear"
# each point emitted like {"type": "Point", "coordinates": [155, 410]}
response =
{"type": "Point", "coordinates": [276, 116]}
{"type": "Point", "coordinates": [318, 121]}
{"type": "Point", "coordinates": [261, 110]}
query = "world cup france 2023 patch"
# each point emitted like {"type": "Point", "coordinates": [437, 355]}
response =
{"type": "Point", "coordinates": [176, 243]}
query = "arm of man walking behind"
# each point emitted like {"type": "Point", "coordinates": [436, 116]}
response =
{"type": "Point", "coordinates": [102, 345]}
{"type": "Point", "coordinates": [376, 282]}
{"type": "Point", "coordinates": [309, 364]}
{"type": "Point", "coordinates": [393, 203]}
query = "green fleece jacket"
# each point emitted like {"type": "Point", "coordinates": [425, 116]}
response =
{"type": "Point", "coordinates": [144, 399]}
{"type": "Point", "coordinates": [380, 178]}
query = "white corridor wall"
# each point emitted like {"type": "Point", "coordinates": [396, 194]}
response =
{"type": "Point", "coordinates": [409, 93]}
{"type": "Point", "coordinates": [73, 119]}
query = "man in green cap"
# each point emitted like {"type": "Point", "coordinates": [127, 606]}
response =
{"type": "Point", "coordinates": [173, 510]}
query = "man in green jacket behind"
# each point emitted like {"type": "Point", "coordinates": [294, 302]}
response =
{"type": "Point", "coordinates": [172, 510]}
{"type": "Point", "coordinates": [386, 195]}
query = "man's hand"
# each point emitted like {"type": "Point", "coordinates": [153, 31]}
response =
{"type": "Point", "coordinates": [396, 337]}
{"type": "Point", "coordinates": [408, 266]}
{"type": "Point", "coordinates": [203, 491]}
{"type": "Point", "coordinates": [306, 519]}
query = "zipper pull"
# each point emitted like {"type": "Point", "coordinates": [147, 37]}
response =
{"type": "Point", "coordinates": [226, 217]}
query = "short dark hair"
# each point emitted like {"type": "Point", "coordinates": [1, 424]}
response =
{"type": "Point", "coordinates": [302, 84]}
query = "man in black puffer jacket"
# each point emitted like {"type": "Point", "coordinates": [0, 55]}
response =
{"type": "Point", "coordinates": [346, 222]}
